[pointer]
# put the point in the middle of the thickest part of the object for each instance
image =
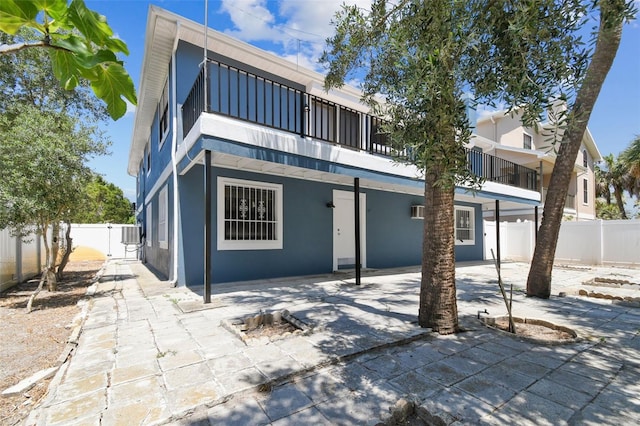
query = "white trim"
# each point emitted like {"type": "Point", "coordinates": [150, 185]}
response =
{"type": "Point", "coordinates": [223, 244]}
{"type": "Point", "coordinates": [218, 126]}
{"type": "Point", "coordinates": [472, 240]}
{"type": "Point", "coordinates": [174, 167]}
{"type": "Point", "coordinates": [138, 184]}
{"type": "Point", "coordinates": [159, 182]}
{"type": "Point", "coordinates": [163, 218]}
{"type": "Point", "coordinates": [148, 225]}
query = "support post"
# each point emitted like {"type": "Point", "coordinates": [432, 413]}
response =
{"type": "Point", "coordinates": [356, 205]}
{"type": "Point", "coordinates": [498, 232]}
{"type": "Point", "coordinates": [207, 226]}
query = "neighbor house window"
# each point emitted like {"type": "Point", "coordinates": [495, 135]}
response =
{"type": "Point", "coordinates": [464, 226]}
{"type": "Point", "coordinates": [148, 224]}
{"type": "Point", "coordinates": [584, 158]}
{"type": "Point", "coordinates": [249, 215]}
{"type": "Point", "coordinates": [526, 141]}
{"type": "Point", "coordinates": [585, 191]}
{"type": "Point", "coordinates": [163, 224]}
{"type": "Point", "coordinates": [163, 113]}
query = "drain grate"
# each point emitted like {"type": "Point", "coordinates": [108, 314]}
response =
{"type": "Point", "coordinates": [269, 326]}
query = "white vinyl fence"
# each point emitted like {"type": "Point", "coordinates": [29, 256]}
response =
{"type": "Point", "coordinates": [594, 242]}
{"type": "Point", "coordinates": [20, 259]}
{"type": "Point", "coordinates": [105, 238]}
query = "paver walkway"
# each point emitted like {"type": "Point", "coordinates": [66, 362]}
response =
{"type": "Point", "coordinates": [152, 354]}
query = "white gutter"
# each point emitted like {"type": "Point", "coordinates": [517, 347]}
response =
{"type": "Point", "coordinates": [174, 144]}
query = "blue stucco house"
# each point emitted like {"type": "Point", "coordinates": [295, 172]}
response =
{"type": "Point", "coordinates": [246, 168]}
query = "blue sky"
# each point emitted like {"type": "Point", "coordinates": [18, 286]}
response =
{"type": "Point", "coordinates": [296, 30]}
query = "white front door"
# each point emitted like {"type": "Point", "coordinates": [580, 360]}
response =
{"type": "Point", "coordinates": [344, 242]}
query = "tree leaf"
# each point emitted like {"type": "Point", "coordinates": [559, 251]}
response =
{"type": "Point", "coordinates": [56, 9]}
{"type": "Point", "coordinates": [113, 83]}
{"type": "Point", "coordinates": [15, 14]}
{"type": "Point", "coordinates": [94, 27]}
{"type": "Point", "coordinates": [65, 68]}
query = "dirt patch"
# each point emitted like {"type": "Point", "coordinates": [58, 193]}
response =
{"type": "Point", "coordinates": [534, 331]}
{"type": "Point", "coordinates": [34, 341]}
{"type": "Point", "coordinates": [271, 326]}
{"type": "Point", "coordinates": [270, 330]}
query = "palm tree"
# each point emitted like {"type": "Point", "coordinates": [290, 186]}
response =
{"type": "Point", "coordinates": [613, 175]}
{"type": "Point", "coordinates": [630, 160]}
{"type": "Point", "coordinates": [603, 187]}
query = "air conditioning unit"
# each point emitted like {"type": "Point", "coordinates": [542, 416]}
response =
{"type": "Point", "coordinates": [130, 235]}
{"type": "Point", "coordinates": [417, 212]}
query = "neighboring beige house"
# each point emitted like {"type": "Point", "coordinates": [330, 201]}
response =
{"type": "Point", "coordinates": [502, 134]}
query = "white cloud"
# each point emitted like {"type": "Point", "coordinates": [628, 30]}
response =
{"type": "Point", "coordinates": [131, 108]}
{"type": "Point", "coordinates": [303, 60]}
{"type": "Point", "coordinates": [252, 20]}
{"type": "Point", "coordinates": [300, 27]}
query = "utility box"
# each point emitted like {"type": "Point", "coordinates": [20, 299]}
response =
{"type": "Point", "coordinates": [130, 235]}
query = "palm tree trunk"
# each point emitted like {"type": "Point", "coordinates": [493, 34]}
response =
{"type": "Point", "coordinates": [608, 40]}
{"type": "Point", "coordinates": [617, 192]}
{"type": "Point", "coordinates": [438, 306]}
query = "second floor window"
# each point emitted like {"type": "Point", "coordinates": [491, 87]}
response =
{"type": "Point", "coordinates": [163, 112]}
{"type": "Point", "coordinates": [585, 191]}
{"type": "Point", "coordinates": [584, 158]}
{"type": "Point", "coordinates": [526, 141]}
{"type": "Point", "coordinates": [147, 155]}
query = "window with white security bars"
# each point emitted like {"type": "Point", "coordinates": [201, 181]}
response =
{"type": "Point", "coordinates": [464, 225]}
{"type": "Point", "coordinates": [249, 215]}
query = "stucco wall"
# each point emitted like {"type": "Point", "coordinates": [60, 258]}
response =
{"type": "Point", "coordinates": [392, 237]}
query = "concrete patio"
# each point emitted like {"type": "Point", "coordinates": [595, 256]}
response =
{"type": "Point", "coordinates": [151, 354]}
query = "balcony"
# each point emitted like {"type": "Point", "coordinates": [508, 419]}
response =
{"type": "Point", "coordinates": [248, 97]}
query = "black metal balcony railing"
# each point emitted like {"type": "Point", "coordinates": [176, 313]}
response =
{"type": "Point", "coordinates": [245, 96]}
{"type": "Point", "coordinates": [496, 169]}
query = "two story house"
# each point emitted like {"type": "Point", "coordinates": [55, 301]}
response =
{"type": "Point", "coordinates": [502, 134]}
{"type": "Point", "coordinates": [247, 169]}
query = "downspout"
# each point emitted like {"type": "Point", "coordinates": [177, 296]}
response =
{"type": "Point", "coordinates": [174, 146]}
